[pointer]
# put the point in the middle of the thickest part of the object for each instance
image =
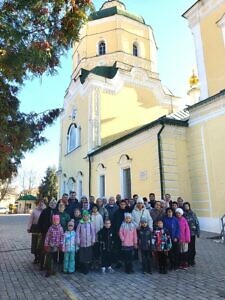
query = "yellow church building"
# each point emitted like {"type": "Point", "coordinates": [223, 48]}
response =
{"type": "Point", "coordinates": [122, 131]}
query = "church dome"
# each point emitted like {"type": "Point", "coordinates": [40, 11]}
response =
{"type": "Point", "coordinates": [113, 3]}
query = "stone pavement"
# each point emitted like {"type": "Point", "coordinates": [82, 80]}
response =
{"type": "Point", "coordinates": [19, 279]}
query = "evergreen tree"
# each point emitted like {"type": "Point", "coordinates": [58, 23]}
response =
{"type": "Point", "coordinates": [49, 185]}
{"type": "Point", "coordinates": [33, 36]}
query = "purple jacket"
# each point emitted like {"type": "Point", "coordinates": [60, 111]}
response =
{"type": "Point", "coordinates": [184, 236]}
{"type": "Point", "coordinates": [85, 234]}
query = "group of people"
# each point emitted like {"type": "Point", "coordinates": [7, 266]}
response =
{"type": "Point", "coordinates": [89, 235]}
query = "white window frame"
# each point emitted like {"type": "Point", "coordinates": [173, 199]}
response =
{"type": "Point", "coordinates": [221, 24]}
{"type": "Point", "coordinates": [125, 163]}
{"type": "Point", "coordinates": [98, 47]}
{"type": "Point", "coordinates": [101, 170]}
{"type": "Point", "coordinates": [79, 185]}
{"type": "Point", "coordinates": [76, 131]}
{"type": "Point", "coordinates": [135, 44]}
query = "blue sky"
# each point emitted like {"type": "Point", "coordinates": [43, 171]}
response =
{"type": "Point", "coordinates": [176, 59]}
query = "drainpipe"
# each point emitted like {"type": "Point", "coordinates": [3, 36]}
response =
{"type": "Point", "coordinates": [160, 159]}
{"type": "Point", "coordinates": [89, 175]}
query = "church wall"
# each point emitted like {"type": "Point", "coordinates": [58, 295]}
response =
{"type": "Point", "coordinates": [144, 164]}
{"type": "Point", "coordinates": [175, 165]}
{"type": "Point", "coordinates": [212, 34]}
{"type": "Point", "coordinates": [206, 148]}
{"type": "Point", "coordinates": [131, 107]}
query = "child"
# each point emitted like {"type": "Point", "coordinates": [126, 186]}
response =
{"type": "Point", "coordinates": [184, 239]}
{"type": "Point", "coordinates": [85, 239]}
{"type": "Point", "coordinates": [106, 240]}
{"type": "Point", "coordinates": [128, 236]}
{"type": "Point", "coordinates": [77, 217]}
{"type": "Point", "coordinates": [69, 248]}
{"type": "Point", "coordinates": [53, 243]}
{"type": "Point", "coordinates": [162, 244]}
{"type": "Point", "coordinates": [145, 245]}
{"type": "Point", "coordinates": [64, 217]}
{"type": "Point", "coordinates": [97, 219]}
{"type": "Point", "coordinates": [172, 225]}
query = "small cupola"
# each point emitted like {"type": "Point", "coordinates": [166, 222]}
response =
{"type": "Point", "coordinates": [113, 3]}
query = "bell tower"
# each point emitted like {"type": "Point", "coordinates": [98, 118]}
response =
{"type": "Point", "coordinates": [115, 37]}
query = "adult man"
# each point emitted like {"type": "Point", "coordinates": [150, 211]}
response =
{"type": "Point", "coordinates": [111, 207]}
{"type": "Point", "coordinates": [72, 204]}
{"type": "Point", "coordinates": [168, 201]}
{"type": "Point", "coordinates": [152, 199]}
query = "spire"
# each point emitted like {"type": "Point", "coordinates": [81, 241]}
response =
{"type": "Point", "coordinates": [113, 3]}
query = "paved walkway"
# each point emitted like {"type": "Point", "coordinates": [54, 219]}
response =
{"type": "Point", "coordinates": [20, 279]}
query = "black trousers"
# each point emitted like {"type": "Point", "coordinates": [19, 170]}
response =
{"type": "Point", "coordinates": [106, 258]}
{"type": "Point", "coordinates": [174, 255]}
{"type": "Point", "coordinates": [162, 259]}
{"type": "Point", "coordinates": [51, 262]}
{"type": "Point", "coordinates": [191, 251]}
{"type": "Point", "coordinates": [146, 257]}
{"type": "Point", "coordinates": [128, 258]}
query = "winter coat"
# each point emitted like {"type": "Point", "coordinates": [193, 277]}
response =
{"type": "Point", "coordinates": [64, 219]}
{"type": "Point", "coordinates": [137, 214]}
{"type": "Point", "coordinates": [76, 222]}
{"type": "Point", "coordinates": [193, 222]}
{"type": "Point", "coordinates": [69, 242]}
{"type": "Point", "coordinates": [104, 212]}
{"type": "Point", "coordinates": [144, 238]}
{"type": "Point", "coordinates": [106, 239]}
{"type": "Point", "coordinates": [172, 225]}
{"type": "Point", "coordinates": [156, 214]}
{"type": "Point", "coordinates": [184, 236]}
{"type": "Point", "coordinates": [85, 234]}
{"type": "Point", "coordinates": [45, 219]}
{"type": "Point", "coordinates": [54, 236]}
{"type": "Point", "coordinates": [118, 219]}
{"type": "Point", "coordinates": [98, 222]}
{"type": "Point", "coordinates": [128, 234]}
{"type": "Point", "coordinates": [111, 210]}
{"type": "Point", "coordinates": [71, 207]}
{"type": "Point", "coordinates": [161, 240]}
{"type": "Point", "coordinates": [34, 217]}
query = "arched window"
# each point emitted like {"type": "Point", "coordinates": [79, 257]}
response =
{"type": "Point", "coordinates": [101, 48]}
{"type": "Point", "coordinates": [135, 49]}
{"type": "Point", "coordinates": [73, 137]}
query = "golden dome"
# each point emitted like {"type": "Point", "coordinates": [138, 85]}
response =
{"type": "Point", "coordinates": [193, 80]}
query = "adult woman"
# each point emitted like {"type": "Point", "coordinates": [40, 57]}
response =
{"type": "Point", "coordinates": [34, 229]}
{"type": "Point", "coordinates": [193, 223]}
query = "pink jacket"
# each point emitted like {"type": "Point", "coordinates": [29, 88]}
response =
{"type": "Point", "coordinates": [128, 236]}
{"type": "Point", "coordinates": [184, 236]}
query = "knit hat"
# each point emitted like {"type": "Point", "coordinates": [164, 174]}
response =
{"type": "Point", "coordinates": [85, 213]}
{"type": "Point", "coordinates": [140, 200]}
{"type": "Point", "coordinates": [55, 218]}
{"type": "Point", "coordinates": [127, 215]}
{"type": "Point", "coordinates": [180, 210]}
{"type": "Point", "coordinates": [143, 220]}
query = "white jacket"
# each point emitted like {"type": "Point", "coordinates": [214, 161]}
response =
{"type": "Point", "coordinates": [138, 214]}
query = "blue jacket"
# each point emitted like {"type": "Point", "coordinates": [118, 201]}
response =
{"type": "Point", "coordinates": [172, 225]}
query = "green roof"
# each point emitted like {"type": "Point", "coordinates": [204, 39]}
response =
{"type": "Point", "coordinates": [111, 11]}
{"type": "Point", "coordinates": [27, 197]}
{"type": "Point", "coordinates": [103, 71]}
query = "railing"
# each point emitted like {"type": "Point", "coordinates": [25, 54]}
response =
{"type": "Point", "coordinates": [223, 228]}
